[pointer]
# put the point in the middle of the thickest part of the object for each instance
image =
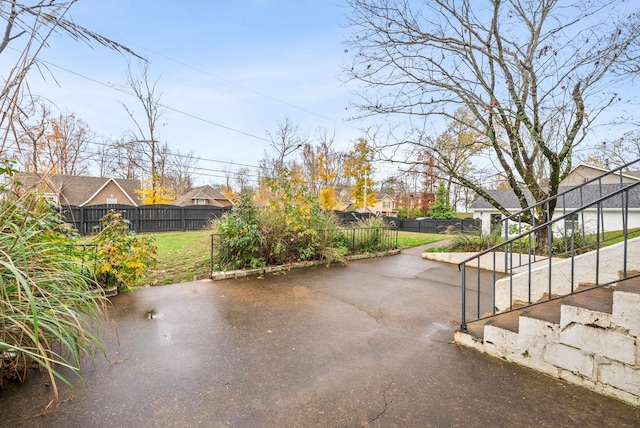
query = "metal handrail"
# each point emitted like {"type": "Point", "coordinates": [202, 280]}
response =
{"type": "Point", "coordinates": [508, 246]}
{"type": "Point", "coordinates": [547, 223]}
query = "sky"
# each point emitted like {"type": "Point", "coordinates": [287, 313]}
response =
{"type": "Point", "coordinates": [228, 73]}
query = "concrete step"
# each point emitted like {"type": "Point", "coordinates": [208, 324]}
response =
{"type": "Point", "coordinates": [588, 297]}
{"type": "Point", "coordinates": [630, 285]}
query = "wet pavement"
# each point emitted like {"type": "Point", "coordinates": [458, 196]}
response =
{"type": "Point", "coordinates": [365, 345]}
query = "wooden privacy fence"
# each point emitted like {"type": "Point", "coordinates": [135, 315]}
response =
{"type": "Point", "coordinates": [165, 218]}
{"type": "Point", "coordinates": [145, 218]}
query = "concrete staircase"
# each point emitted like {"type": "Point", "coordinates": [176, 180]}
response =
{"type": "Point", "coordinates": [590, 338]}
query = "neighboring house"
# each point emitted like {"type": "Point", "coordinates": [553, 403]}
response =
{"type": "Point", "coordinates": [611, 208]}
{"type": "Point", "coordinates": [80, 191]}
{"type": "Point", "coordinates": [385, 206]}
{"type": "Point", "coordinates": [411, 200]}
{"type": "Point", "coordinates": [583, 173]}
{"type": "Point", "coordinates": [204, 195]}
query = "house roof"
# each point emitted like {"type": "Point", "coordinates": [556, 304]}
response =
{"type": "Point", "coordinates": [579, 169]}
{"type": "Point", "coordinates": [76, 190]}
{"type": "Point", "coordinates": [208, 193]}
{"type": "Point", "coordinates": [385, 196]}
{"type": "Point", "coordinates": [587, 194]}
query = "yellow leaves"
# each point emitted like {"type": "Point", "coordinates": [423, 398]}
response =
{"type": "Point", "coordinates": [106, 267]}
{"type": "Point", "coordinates": [327, 198]}
{"type": "Point", "coordinates": [153, 192]}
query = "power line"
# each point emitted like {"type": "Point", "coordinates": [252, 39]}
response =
{"type": "Point", "coordinates": [188, 156]}
{"type": "Point", "coordinates": [193, 116]}
{"type": "Point", "coordinates": [246, 88]}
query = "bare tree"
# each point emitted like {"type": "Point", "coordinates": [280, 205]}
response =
{"type": "Point", "coordinates": [30, 125]}
{"type": "Point", "coordinates": [129, 162]}
{"type": "Point", "coordinates": [182, 167]}
{"type": "Point", "coordinates": [105, 158]}
{"type": "Point", "coordinates": [286, 140]}
{"type": "Point", "coordinates": [146, 125]}
{"type": "Point", "coordinates": [533, 75]}
{"type": "Point", "coordinates": [48, 144]}
{"type": "Point", "coordinates": [614, 153]}
{"type": "Point", "coordinates": [67, 144]}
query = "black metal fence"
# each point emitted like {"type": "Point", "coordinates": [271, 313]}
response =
{"type": "Point", "coordinates": [145, 218]}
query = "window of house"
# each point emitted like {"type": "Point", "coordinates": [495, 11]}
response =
{"type": "Point", "coordinates": [386, 204]}
{"type": "Point", "coordinates": [571, 223]}
{"type": "Point", "coordinates": [201, 202]}
{"type": "Point", "coordinates": [112, 200]}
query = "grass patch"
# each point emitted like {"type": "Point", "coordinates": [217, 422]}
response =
{"type": "Point", "coordinates": [415, 239]}
{"type": "Point", "coordinates": [184, 256]}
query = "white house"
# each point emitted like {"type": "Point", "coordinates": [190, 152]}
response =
{"type": "Point", "coordinates": [611, 213]}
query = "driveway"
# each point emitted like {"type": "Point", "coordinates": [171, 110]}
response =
{"type": "Point", "coordinates": [365, 345]}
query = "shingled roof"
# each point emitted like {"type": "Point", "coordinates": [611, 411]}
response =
{"type": "Point", "coordinates": [572, 200]}
{"type": "Point", "coordinates": [207, 193]}
{"type": "Point", "coordinates": [75, 190]}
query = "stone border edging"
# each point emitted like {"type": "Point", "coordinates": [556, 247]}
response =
{"type": "Point", "coordinates": [240, 273]}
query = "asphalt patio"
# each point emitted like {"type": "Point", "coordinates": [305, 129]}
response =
{"type": "Point", "coordinates": [369, 344]}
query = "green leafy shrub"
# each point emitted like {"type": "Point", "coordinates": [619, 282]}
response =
{"type": "Point", "coordinates": [240, 237]}
{"type": "Point", "coordinates": [292, 228]}
{"type": "Point", "coordinates": [410, 212]}
{"type": "Point", "coordinates": [122, 257]}
{"type": "Point", "coordinates": [50, 313]}
{"type": "Point", "coordinates": [576, 243]}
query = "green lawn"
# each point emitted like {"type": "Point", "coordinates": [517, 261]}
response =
{"type": "Point", "coordinates": [414, 239]}
{"type": "Point", "coordinates": [184, 256]}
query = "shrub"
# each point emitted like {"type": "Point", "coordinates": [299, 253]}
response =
{"type": "Point", "coordinates": [410, 212]}
{"type": "Point", "coordinates": [240, 236]}
{"type": "Point", "coordinates": [292, 228]}
{"type": "Point", "coordinates": [473, 241]}
{"type": "Point", "coordinates": [582, 243]}
{"type": "Point", "coordinates": [122, 257]}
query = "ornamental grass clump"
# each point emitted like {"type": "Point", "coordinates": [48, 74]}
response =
{"type": "Point", "coordinates": [50, 313]}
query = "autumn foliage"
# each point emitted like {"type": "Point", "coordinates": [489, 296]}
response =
{"type": "Point", "coordinates": [122, 257]}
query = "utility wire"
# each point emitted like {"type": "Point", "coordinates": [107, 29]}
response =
{"type": "Point", "coordinates": [193, 116]}
{"type": "Point", "coordinates": [180, 155]}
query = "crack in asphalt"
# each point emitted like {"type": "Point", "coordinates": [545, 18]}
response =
{"type": "Point", "coordinates": [376, 317]}
{"type": "Point", "coordinates": [386, 405]}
